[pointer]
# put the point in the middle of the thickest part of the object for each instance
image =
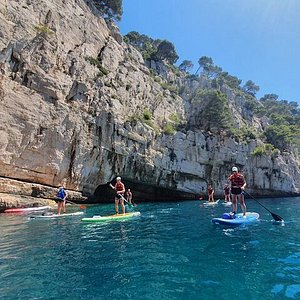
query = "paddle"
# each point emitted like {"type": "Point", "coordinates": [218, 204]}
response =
{"type": "Point", "coordinates": [123, 198]}
{"type": "Point", "coordinates": [276, 217]}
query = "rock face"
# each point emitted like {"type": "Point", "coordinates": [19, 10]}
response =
{"type": "Point", "coordinates": [72, 100]}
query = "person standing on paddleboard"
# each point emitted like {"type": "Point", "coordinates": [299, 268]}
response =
{"type": "Point", "coordinates": [129, 196]}
{"type": "Point", "coordinates": [61, 199]}
{"type": "Point", "coordinates": [120, 189]}
{"type": "Point", "coordinates": [211, 192]}
{"type": "Point", "coordinates": [227, 193]}
{"type": "Point", "coordinates": [237, 185]}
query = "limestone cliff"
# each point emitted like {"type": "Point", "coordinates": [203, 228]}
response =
{"type": "Point", "coordinates": [72, 97]}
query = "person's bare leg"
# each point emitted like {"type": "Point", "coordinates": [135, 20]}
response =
{"type": "Point", "coordinates": [64, 206]}
{"type": "Point", "coordinates": [123, 206]}
{"type": "Point", "coordinates": [243, 205]}
{"type": "Point", "coordinates": [117, 206]}
{"type": "Point", "coordinates": [234, 203]}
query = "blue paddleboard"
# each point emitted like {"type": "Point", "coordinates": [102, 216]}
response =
{"type": "Point", "coordinates": [250, 217]}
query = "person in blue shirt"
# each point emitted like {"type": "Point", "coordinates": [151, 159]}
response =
{"type": "Point", "coordinates": [61, 199]}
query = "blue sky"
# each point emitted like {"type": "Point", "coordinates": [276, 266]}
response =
{"type": "Point", "coordinates": [256, 40]}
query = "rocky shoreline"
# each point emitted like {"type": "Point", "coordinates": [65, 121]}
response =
{"type": "Point", "coordinates": [16, 193]}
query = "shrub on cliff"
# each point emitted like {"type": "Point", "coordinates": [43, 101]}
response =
{"type": "Point", "coordinates": [44, 29]}
{"type": "Point", "coordinates": [283, 130]}
{"type": "Point", "coordinates": [244, 133]}
{"type": "Point", "coordinates": [110, 9]}
{"type": "Point", "coordinates": [250, 88]}
{"type": "Point", "coordinates": [146, 45]}
{"type": "Point", "coordinates": [155, 49]}
{"type": "Point", "coordinates": [209, 68]}
{"type": "Point", "coordinates": [147, 114]}
{"type": "Point", "coordinates": [283, 136]}
{"type": "Point", "coordinates": [266, 149]}
{"type": "Point", "coordinates": [186, 66]}
{"type": "Point", "coordinates": [166, 51]}
{"type": "Point", "coordinates": [96, 62]}
{"type": "Point", "coordinates": [211, 111]}
{"type": "Point", "coordinates": [169, 129]}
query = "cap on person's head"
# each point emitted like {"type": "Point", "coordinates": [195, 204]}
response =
{"type": "Point", "coordinates": [118, 178]}
{"type": "Point", "coordinates": [234, 169]}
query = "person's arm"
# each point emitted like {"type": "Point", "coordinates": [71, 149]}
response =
{"type": "Point", "coordinates": [244, 185]}
{"type": "Point", "coordinates": [229, 182]}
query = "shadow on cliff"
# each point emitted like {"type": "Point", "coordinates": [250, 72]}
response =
{"type": "Point", "coordinates": [141, 192]}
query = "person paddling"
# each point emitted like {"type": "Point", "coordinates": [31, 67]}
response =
{"type": "Point", "coordinates": [120, 189]}
{"type": "Point", "coordinates": [61, 199]}
{"type": "Point", "coordinates": [129, 198]}
{"type": "Point", "coordinates": [237, 185]}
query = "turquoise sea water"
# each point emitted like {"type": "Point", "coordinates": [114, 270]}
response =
{"type": "Point", "coordinates": [172, 251]}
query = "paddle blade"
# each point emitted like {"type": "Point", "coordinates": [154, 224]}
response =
{"type": "Point", "coordinates": [82, 207]}
{"type": "Point", "coordinates": [276, 217]}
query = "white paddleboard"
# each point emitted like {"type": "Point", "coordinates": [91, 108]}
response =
{"type": "Point", "coordinates": [207, 203]}
{"type": "Point", "coordinates": [53, 216]}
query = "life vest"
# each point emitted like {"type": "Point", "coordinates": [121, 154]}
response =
{"type": "Point", "coordinates": [210, 190]}
{"type": "Point", "coordinates": [119, 186]}
{"type": "Point", "coordinates": [61, 194]}
{"type": "Point", "coordinates": [237, 179]}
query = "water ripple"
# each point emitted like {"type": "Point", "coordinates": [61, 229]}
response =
{"type": "Point", "coordinates": [171, 252]}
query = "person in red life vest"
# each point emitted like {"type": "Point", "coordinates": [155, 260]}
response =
{"type": "Point", "coordinates": [211, 192]}
{"type": "Point", "coordinates": [227, 193]}
{"type": "Point", "coordinates": [129, 196]}
{"type": "Point", "coordinates": [237, 185]}
{"type": "Point", "coordinates": [120, 189]}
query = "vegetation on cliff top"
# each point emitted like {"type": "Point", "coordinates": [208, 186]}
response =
{"type": "Point", "coordinates": [157, 50]}
{"type": "Point", "coordinates": [210, 108]}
